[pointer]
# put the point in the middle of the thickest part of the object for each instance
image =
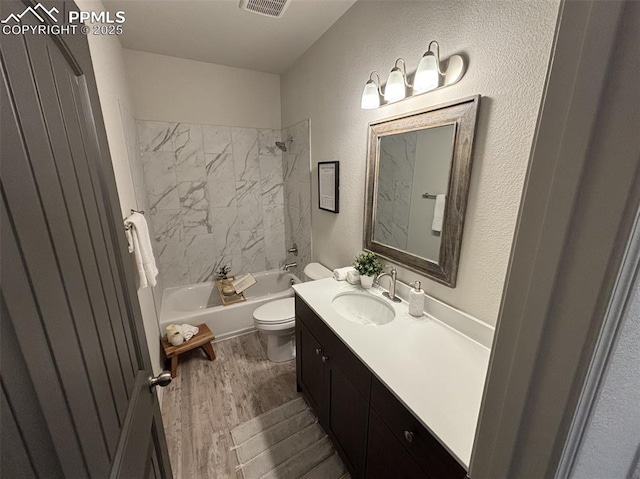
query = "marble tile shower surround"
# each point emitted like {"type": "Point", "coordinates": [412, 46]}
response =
{"type": "Point", "coordinates": [215, 196]}
{"type": "Point", "coordinates": [137, 175]}
{"type": "Point", "coordinates": [397, 160]}
{"type": "Point", "coordinates": [296, 163]}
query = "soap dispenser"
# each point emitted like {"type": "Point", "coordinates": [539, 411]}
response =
{"type": "Point", "coordinates": [416, 300]}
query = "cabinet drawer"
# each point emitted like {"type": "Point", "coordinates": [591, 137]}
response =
{"type": "Point", "coordinates": [432, 457]}
{"type": "Point", "coordinates": [334, 349]}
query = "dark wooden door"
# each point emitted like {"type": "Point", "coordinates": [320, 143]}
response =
{"type": "Point", "coordinates": [76, 400]}
{"type": "Point", "coordinates": [386, 457]}
{"type": "Point", "coordinates": [310, 367]}
{"type": "Point", "coordinates": [347, 417]}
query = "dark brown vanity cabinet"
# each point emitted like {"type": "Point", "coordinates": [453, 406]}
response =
{"type": "Point", "coordinates": [376, 436]}
{"type": "Point", "coordinates": [340, 400]}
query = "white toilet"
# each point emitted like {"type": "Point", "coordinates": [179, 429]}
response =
{"type": "Point", "coordinates": [276, 319]}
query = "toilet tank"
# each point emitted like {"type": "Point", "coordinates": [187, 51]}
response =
{"type": "Point", "coordinates": [315, 271]}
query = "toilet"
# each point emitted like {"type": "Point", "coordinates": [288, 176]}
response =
{"type": "Point", "coordinates": [277, 319]}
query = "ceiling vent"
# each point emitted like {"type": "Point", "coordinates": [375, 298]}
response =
{"type": "Point", "coordinates": [269, 8]}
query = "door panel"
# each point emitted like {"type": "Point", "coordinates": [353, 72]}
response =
{"type": "Point", "coordinates": [386, 457]}
{"type": "Point", "coordinates": [67, 283]}
{"type": "Point", "coordinates": [311, 368]}
{"type": "Point", "coordinates": [347, 418]}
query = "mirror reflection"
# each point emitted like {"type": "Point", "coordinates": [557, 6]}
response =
{"type": "Point", "coordinates": [413, 178]}
{"type": "Point", "coordinates": [418, 174]}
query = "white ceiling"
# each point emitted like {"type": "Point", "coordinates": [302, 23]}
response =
{"type": "Point", "coordinates": [218, 31]}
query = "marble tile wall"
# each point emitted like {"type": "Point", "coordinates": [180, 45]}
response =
{"type": "Point", "coordinates": [137, 175]}
{"type": "Point", "coordinates": [397, 159]}
{"type": "Point", "coordinates": [297, 194]}
{"type": "Point", "coordinates": [215, 196]}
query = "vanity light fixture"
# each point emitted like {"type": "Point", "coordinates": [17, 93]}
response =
{"type": "Point", "coordinates": [428, 73]}
{"type": "Point", "coordinates": [371, 94]}
{"type": "Point", "coordinates": [396, 88]}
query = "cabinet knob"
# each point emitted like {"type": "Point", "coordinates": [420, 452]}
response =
{"type": "Point", "coordinates": [325, 359]}
{"type": "Point", "coordinates": [318, 351]}
{"type": "Point", "coordinates": [408, 435]}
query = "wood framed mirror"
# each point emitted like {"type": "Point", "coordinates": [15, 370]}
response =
{"type": "Point", "coordinates": [418, 174]}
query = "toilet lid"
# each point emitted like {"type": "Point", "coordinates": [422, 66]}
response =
{"type": "Point", "coordinates": [279, 311]}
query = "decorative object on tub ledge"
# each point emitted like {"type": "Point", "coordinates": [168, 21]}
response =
{"type": "Point", "coordinates": [243, 282]}
{"type": "Point", "coordinates": [137, 232]}
{"type": "Point", "coordinates": [430, 75]}
{"type": "Point", "coordinates": [223, 272]}
{"type": "Point", "coordinates": [228, 296]}
{"type": "Point", "coordinates": [202, 339]}
{"type": "Point", "coordinates": [329, 186]}
{"type": "Point", "coordinates": [368, 266]}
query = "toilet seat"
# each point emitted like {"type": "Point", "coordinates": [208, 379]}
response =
{"type": "Point", "coordinates": [279, 312]}
{"type": "Point", "coordinates": [277, 320]}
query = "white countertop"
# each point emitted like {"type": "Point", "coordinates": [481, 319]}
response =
{"type": "Point", "coordinates": [434, 370]}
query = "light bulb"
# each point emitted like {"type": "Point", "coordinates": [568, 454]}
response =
{"type": "Point", "coordinates": [427, 77]}
{"type": "Point", "coordinates": [370, 96]}
{"type": "Point", "coordinates": [395, 89]}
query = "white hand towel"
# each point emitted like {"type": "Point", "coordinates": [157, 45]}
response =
{"type": "Point", "coordinates": [140, 246]}
{"type": "Point", "coordinates": [353, 277]}
{"type": "Point", "coordinates": [187, 331]}
{"type": "Point", "coordinates": [438, 212]}
{"type": "Point", "coordinates": [340, 274]}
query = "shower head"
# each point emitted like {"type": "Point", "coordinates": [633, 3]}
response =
{"type": "Point", "coordinates": [283, 144]}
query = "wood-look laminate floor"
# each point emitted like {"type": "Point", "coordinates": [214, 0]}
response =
{"type": "Point", "coordinates": [209, 398]}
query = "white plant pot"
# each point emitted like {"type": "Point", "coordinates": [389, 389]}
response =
{"type": "Point", "coordinates": [366, 281]}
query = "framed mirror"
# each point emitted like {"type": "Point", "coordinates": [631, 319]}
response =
{"type": "Point", "coordinates": [418, 173]}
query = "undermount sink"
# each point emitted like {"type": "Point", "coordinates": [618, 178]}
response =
{"type": "Point", "coordinates": [363, 308]}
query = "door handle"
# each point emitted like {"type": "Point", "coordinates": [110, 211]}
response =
{"type": "Point", "coordinates": [325, 359]}
{"type": "Point", "coordinates": [318, 351]}
{"type": "Point", "coordinates": [163, 379]}
{"type": "Point", "coordinates": [408, 435]}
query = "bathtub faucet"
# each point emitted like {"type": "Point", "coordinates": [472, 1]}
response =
{"type": "Point", "coordinates": [288, 266]}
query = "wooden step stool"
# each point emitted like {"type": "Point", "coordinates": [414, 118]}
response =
{"type": "Point", "coordinates": [201, 340]}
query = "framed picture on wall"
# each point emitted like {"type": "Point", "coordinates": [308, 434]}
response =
{"type": "Point", "coordinates": [329, 185]}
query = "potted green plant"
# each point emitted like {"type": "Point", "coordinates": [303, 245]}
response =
{"type": "Point", "coordinates": [223, 273]}
{"type": "Point", "coordinates": [369, 266]}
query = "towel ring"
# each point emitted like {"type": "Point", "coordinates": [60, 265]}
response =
{"type": "Point", "coordinates": [128, 227]}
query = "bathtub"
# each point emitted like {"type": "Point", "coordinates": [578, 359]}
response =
{"type": "Point", "coordinates": [200, 303]}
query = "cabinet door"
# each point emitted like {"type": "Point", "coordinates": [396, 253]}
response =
{"type": "Point", "coordinates": [310, 367]}
{"type": "Point", "coordinates": [347, 418]}
{"type": "Point", "coordinates": [386, 457]}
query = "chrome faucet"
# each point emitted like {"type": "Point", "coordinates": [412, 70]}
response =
{"type": "Point", "coordinates": [288, 266]}
{"type": "Point", "coordinates": [392, 284]}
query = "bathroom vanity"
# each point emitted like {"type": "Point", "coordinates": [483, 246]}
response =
{"type": "Point", "coordinates": [399, 399]}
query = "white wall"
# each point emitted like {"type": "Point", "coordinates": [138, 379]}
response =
{"type": "Point", "coordinates": [109, 68]}
{"type": "Point", "coordinates": [173, 89]}
{"type": "Point", "coordinates": [508, 46]}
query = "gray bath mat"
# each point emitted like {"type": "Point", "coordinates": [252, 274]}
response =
{"type": "Point", "coordinates": [286, 443]}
